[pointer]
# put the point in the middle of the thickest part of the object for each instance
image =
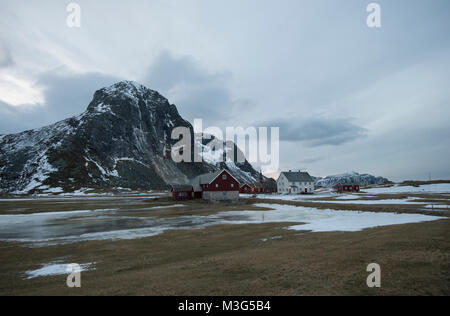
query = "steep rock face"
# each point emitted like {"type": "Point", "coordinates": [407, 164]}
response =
{"type": "Point", "coordinates": [123, 139]}
{"type": "Point", "coordinates": [348, 178]}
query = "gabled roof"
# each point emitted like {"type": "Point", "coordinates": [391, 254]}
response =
{"type": "Point", "coordinates": [348, 183]}
{"type": "Point", "coordinates": [298, 176]}
{"type": "Point", "coordinates": [207, 178]}
{"type": "Point", "coordinates": [182, 188]}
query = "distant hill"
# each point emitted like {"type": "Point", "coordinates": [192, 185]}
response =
{"type": "Point", "coordinates": [349, 177]}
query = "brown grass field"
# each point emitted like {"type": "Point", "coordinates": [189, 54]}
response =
{"type": "Point", "coordinates": [234, 259]}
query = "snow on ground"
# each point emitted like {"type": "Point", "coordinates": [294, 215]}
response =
{"type": "Point", "coordinates": [437, 207]}
{"type": "Point", "coordinates": [165, 206]}
{"type": "Point", "coordinates": [57, 269]}
{"type": "Point", "coordinates": [52, 229]}
{"type": "Point", "coordinates": [426, 188]}
{"type": "Point", "coordinates": [407, 201]}
{"type": "Point", "coordinates": [353, 196]}
{"type": "Point", "coordinates": [339, 199]}
{"type": "Point", "coordinates": [271, 238]}
{"type": "Point", "coordinates": [331, 220]}
{"type": "Point", "coordinates": [290, 197]}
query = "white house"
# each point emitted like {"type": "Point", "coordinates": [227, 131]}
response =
{"type": "Point", "coordinates": [295, 183]}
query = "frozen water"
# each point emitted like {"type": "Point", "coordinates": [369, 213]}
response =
{"type": "Point", "coordinates": [60, 228]}
{"type": "Point", "coordinates": [56, 269]}
{"type": "Point", "coordinates": [426, 188]}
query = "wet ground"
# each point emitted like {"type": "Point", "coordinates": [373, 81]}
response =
{"type": "Point", "coordinates": [139, 217]}
{"type": "Point", "coordinates": [282, 245]}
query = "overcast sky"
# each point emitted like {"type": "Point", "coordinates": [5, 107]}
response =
{"type": "Point", "coordinates": [345, 96]}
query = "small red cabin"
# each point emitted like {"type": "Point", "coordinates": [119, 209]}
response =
{"type": "Point", "coordinates": [182, 192]}
{"type": "Point", "coordinates": [245, 188]}
{"type": "Point", "coordinates": [258, 188]}
{"type": "Point", "coordinates": [340, 188]}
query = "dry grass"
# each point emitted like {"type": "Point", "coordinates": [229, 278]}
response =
{"type": "Point", "coordinates": [232, 260]}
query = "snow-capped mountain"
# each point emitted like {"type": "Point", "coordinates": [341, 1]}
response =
{"type": "Point", "coordinates": [123, 139]}
{"type": "Point", "coordinates": [348, 178]}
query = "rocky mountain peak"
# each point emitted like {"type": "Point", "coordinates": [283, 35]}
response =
{"type": "Point", "coordinates": [128, 96]}
{"type": "Point", "coordinates": [123, 139]}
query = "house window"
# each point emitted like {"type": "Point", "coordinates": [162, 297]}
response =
{"type": "Point", "coordinates": [224, 177]}
{"type": "Point", "coordinates": [217, 185]}
{"type": "Point", "coordinates": [232, 185]}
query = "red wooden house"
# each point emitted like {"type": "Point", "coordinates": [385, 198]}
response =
{"type": "Point", "coordinates": [267, 185]}
{"type": "Point", "coordinates": [245, 188]}
{"type": "Point", "coordinates": [259, 186]}
{"type": "Point", "coordinates": [341, 188]}
{"type": "Point", "coordinates": [217, 186]}
{"type": "Point", "coordinates": [182, 192]}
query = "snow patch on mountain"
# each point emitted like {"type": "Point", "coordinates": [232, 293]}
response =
{"type": "Point", "coordinates": [350, 178]}
{"type": "Point", "coordinates": [121, 140]}
{"type": "Point", "coordinates": [40, 174]}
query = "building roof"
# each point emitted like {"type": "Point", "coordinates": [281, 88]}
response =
{"type": "Point", "coordinates": [298, 176]}
{"type": "Point", "coordinates": [182, 188]}
{"type": "Point", "coordinates": [207, 178]}
{"type": "Point", "coordinates": [348, 183]}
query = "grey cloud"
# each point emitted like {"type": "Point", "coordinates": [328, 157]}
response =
{"type": "Point", "coordinates": [6, 59]}
{"type": "Point", "coordinates": [168, 71]}
{"type": "Point", "coordinates": [12, 119]}
{"type": "Point", "coordinates": [197, 92]}
{"type": "Point", "coordinates": [66, 94]}
{"type": "Point", "coordinates": [308, 57]}
{"type": "Point", "coordinates": [69, 93]}
{"type": "Point", "coordinates": [310, 160]}
{"type": "Point", "coordinates": [318, 131]}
